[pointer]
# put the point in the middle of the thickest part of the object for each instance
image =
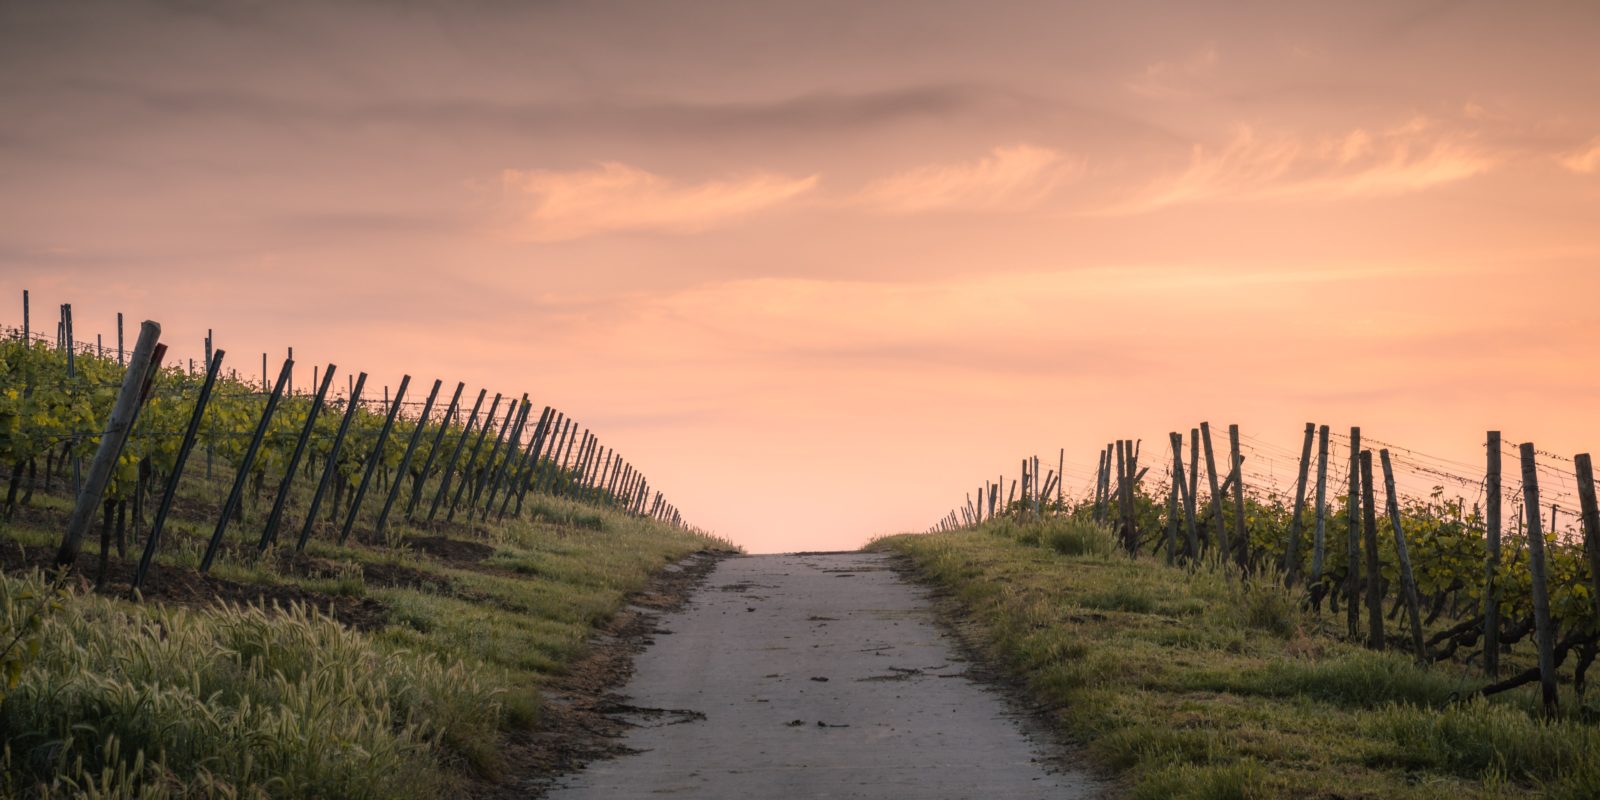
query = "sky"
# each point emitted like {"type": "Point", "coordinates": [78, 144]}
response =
{"type": "Point", "coordinates": [820, 269]}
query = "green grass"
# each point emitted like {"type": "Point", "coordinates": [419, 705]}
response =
{"type": "Point", "coordinates": [146, 700]}
{"type": "Point", "coordinates": [1190, 685]}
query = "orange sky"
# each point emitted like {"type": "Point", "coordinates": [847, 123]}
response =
{"type": "Point", "coordinates": [820, 268]}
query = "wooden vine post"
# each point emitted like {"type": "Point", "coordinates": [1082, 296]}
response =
{"type": "Point", "coordinates": [1237, 461]}
{"type": "Point", "coordinates": [118, 425]}
{"type": "Point", "coordinates": [1172, 503]}
{"type": "Point", "coordinates": [270, 533]}
{"type": "Point", "coordinates": [1352, 573]}
{"type": "Point", "coordinates": [332, 465]}
{"type": "Point", "coordinates": [1491, 582]}
{"type": "Point", "coordinates": [1544, 628]}
{"type": "Point", "coordinates": [1591, 523]}
{"type": "Point", "coordinates": [1291, 559]}
{"type": "Point", "coordinates": [455, 453]}
{"type": "Point", "coordinates": [1319, 540]}
{"type": "Point", "coordinates": [1214, 512]}
{"type": "Point", "coordinates": [477, 447]}
{"type": "Point", "coordinates": [185, 446]}
{"type": "Point", "coordinates": [405, 460]}
{"type": "Point", "coordinates": [1369, 529]}
{"type": "Point", "coordinates": [374, 458]}
{"type": "Point", "coordinates": [245, 465]}
{"type": "Point", "coordinates": [433, 451]}
{"type": "Point", "coordinates": [1408, 582]}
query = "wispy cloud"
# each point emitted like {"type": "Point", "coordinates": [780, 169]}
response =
{"type": "Point", "coordinates": [556, 206]}
{"type": "Point", "coordinates": [1411, 157]}
{"type": "Point", "coordinates": [1171, 79]}
{"type": "Point", "coordinates": [1585, 160]}
{"type": "Point", "coordinates": [1008, 178]}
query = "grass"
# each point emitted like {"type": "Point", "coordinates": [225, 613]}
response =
{"type": "Point", "coordinates": [1190, 685]}
{"type": "Point", "coordinates": [153, 700]}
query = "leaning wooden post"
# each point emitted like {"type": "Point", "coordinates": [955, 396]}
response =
{"type": "Point", "coordinates": [1408, 582]}
{"type": "Point", "coordinates": [27, 323]}
{"type": "Point", "coordinates": [547, 464]}
{"type": "Point", "coordinates": [1172, 506]}
{"type": "Point", "coordinates": [1352, 573]}
{"type": "Point", "coordinates": [1237, 460]}
{"type": "Point", "coordinates": [1214, 510]}
{"type": "Point", "coordinates": [1591, 523]}
{"type": "Point", "coordinates": [244, 467]}
{"type": "Point", "coordinates": [270, 532]}
{"type": "Point", "coordinates": [118, 426]}
{"type": "Point", "coordinates": [332, 464]}
{"type": "Point", "coordinates": [1129, 490]}
{"type": "Point", "coordinates": [519, 481]}
{"type": "Point", "coordinates": [1369, 528]}
{"type": "Point", "coordinates": [485, 473]}
{"type": "Point", "coordinates": [1291, 559]}
{"type": "Point", "coordinates": [433, 450]}
{"type": "Point", "coordinates": [472, 458]}
{"type": "Point", "coordinates": [1544, 628]}
{"type": "Point", "coordinates": [1491, 584]}
{"type": "Point", "coordinates": [455, 452]}
{"type": "Point", "coordinates": [1182, 484]}
{"type": "Point", "coordinates": [513, 443]}
{"type": "Point", "coordinates": [374, 459]}
{"type": "Point", "coordinates": [184, 448]}
{"type": "Point", "coordinates": [405, 460]}
{"type": "Point", "coordinates": [1319, 541]}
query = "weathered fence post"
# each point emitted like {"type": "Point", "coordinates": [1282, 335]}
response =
{"type": "Point", "coordinates": [1172, 504]}
{"type": "Point", "coordinates": [1319, 546]}
{"type": "Point", "coordinates": [184, 447]}
{"type": "Point", "coordinates": [1352, 573]}
{"type": "Point", "coordinates": [455, 452]}
{"type": "Point", "coordinates": [1491, 586]}
{"type": "Point", "coordinates": [519, 483]}
{"type": "Point", "coordinates": [352, 406]}
{"type": "Point", "coordinates": [405, 460]}
{"type": "Point", "coordinates": [1291, 559]}
{"type": "Point", "coordinates": [472, 458]}
{"type": "Point", "coordinates": [433, 450]}
{"type": "Point", "coordinates": [1591, 523]}
{"type": "Point", "coordinates": [244, 468]}
{"type": "Point", "coordinates": [1544, 628]}
{"type": "Point", "coordinates": [1237, 461]}
{"type": "Point", "coordinates": [1214, 509]}
{"type": "Point", "coordinates": [1369, 526]}
{"type": "Point", "coordinates": [118, 425]}
{"type": "Point", "coordinates": [1408, 582]}
{"type": "Point", "coordinates": [374, 459]}
{"type": "Point", "coordinates": [512, 446]}
{"type": "Point", "coordinates": [270, 532]}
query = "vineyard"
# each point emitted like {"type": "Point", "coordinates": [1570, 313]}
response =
{"type": "Point", "coordinates": [224, 587]}
{"type": "Point", "coordinates": [1494, 601]}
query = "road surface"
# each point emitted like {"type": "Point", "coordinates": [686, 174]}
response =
{"type": "Point", "coordinates": [809, 676]}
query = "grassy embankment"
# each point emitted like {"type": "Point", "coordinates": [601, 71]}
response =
{"type": "Point", "coordinates": [451, 631]}
{"type": "Point", "coordinates": [1191, 685]}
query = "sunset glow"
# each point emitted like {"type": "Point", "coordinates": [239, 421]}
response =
{"type": "Point", "coordinates": [821, 268]}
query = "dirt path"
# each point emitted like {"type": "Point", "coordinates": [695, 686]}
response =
{"type": "Point", "coordinates": [815, 676]}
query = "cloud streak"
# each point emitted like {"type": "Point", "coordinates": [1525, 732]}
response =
{"type": "Point", "coordinates": [1362, 163]}
{"type": "Point", "coordinates": [1009, 178]}
{"type": "Point", "coordinates": [552, 206]}
{"type": "Point", "coordinates": [1585, 161]}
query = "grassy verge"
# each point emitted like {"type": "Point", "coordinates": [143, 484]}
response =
{"type": "Point", "coordinates": [1190, 685]}
{"type": "Point", "coordinates": [390, 670]}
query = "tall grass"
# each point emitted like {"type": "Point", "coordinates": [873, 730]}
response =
{"type": "Point", "coordinates": [125, 701]}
